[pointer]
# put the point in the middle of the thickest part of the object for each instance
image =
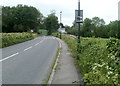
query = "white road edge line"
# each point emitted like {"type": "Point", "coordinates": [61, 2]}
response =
{"type": "Point", "coordinates": [53, 70]}
{"type": "Point", "coordinates": [60, 45]}
{"type": "Point", "coordinates": [9, 57]}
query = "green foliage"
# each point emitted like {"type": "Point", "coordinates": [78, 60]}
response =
{"type": "Point", "coordinates": [72, 43]}
{"type": "Point", "coordinates": [14, 38]}
{"type": "Point", "coordinates": [86, 30]}
{"type": "Point", "coordinates": [51, 23]}
{"type": "Point", "coordinates": [26, 18]}
{"type": "Point", "coordinates": [42, 32]}
{"type": "Point", "coordinates": [72, 31]}
{"type": "Point", "coordinates": [67, 28]}
{"type": "Point", "coordinates": [98, 65]}
{"type": "Point", "coordinates": [57, 34]}
{"type": "Point", "coordinates": [113, 29]}
{"type": "Point", "coordinates": [21, 19]}
{"type": "Point", "coordinates": [113, 47]}
{"type": "Point", "coordinates": [97, 21]}
{"type": "Point", "coordinates": [98, 59]}
{"type": "Point", "coordinates": [96, 27]}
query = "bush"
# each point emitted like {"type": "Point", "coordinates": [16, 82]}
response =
{"type": "Point", "coordinates": [14, 38]}
{"type": "Point", "coordinates": [98, 59]}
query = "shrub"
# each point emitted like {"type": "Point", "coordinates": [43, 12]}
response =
{"type": "Point", "coordinates": [98, 59]}
{"type": "Point", "coordinates": [14, 38]}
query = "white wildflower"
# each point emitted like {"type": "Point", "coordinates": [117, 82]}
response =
{"type": "Point", "coordinates": [110, 72]}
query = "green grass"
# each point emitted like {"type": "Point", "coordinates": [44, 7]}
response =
{"type": "Point", "coordinates": [98, 59]}
{"type": "Point", "coordinates": [8, 39]}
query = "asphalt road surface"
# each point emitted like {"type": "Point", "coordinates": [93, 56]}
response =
{"type": "Point", "coordinates": [29, 62]}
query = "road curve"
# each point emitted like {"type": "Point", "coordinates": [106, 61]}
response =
{"type": "Point", "coordinates": [29, 62]}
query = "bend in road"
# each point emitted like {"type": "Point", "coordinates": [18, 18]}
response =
{"type": "Point", "coordinates": [29, 62]}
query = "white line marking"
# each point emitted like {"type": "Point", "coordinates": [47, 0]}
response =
{"type": "Point", "coordinates": [18, 53]}
{"type": "Point", "coordinates": [60, 44]}
{"type": "Point", "coordinates": [36, 44]}
{"type": "Point", "coordinates": [54, 68]}
{"type": "Point", "coordinates": [53, 72]}
{"type": "Point", "coordinates": [27, 48]}
{"type": "Point", "coordinates": [41, 41]}
{"type": "Point", "coordinates": [9, 57]}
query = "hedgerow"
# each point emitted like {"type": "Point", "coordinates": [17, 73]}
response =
{"type": "Point", "coordinates": [98, 59]}
{"type": "Point", "coordinates": [8, 39]}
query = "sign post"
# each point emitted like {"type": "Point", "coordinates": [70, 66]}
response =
{"type": "Point", "coordinates": [78, 19]}
{"type": "Point", "coordinates": [60, 23]}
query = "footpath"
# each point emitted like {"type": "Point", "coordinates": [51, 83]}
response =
{"type": "Point", "coordinates": [66, 72]}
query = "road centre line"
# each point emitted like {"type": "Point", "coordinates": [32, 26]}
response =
{"type": "Point", "coordinates": [28, 48]}
{"type": "Point", "coordinates": [39, 42]}
{"type": "Point", "coordinates": [9, 57]}
{"type": "Point", "coordinates": [18, 53]}
{"type": "Point", "coordinates": [36, 44]}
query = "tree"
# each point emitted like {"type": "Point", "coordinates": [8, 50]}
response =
{"type": "Point", "coordinates": [98, 22]}
{"type": "Point", "coordinates": [7, 19]}
{"type": "Point", "coordinates": [86, 31]}
{"type": "Point", "coordinates": [99, 27]}
{"type": "Point", "coordinates": [67, 28]}
{"type": "Point", "coordinates": [27, 16]}
{"type": "Point", "coordinates": [96, 27]}
{"type": "Point", "coordinates": [51, 23]}
{"type": "Point", "coordinates": [21, 16]}
{"type": "Point", "coordinates": [62, 26]}
{"type": "Point", "coordinates": [118, 29]}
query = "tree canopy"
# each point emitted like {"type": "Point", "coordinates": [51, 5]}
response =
{"type": "Point", "coordinates": [20, 18]}
{"type": "Point", "coordinates": [96, 27]}
{"type": "Point", "coordinates": [26, 18]}
{"type": "Point", "coordinates": [51, 23]}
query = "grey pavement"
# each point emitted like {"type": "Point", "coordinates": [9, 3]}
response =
{"type": "Point", "coordinates": [66, 72]}
{"type": "Point", "coordinates": [29, 62]}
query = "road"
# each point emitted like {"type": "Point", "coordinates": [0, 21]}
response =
{"type": "Point", "coordinates": [29, 62]}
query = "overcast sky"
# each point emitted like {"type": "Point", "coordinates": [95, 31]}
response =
{"type": "Point", "coordinates": [106, 9]}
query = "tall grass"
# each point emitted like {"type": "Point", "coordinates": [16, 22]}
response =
{"type": "Point", "coordinates": [14, 38]}
{"type": "Point", "coordinates": [98, 59]}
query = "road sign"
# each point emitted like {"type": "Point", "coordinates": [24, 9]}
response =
{"type": "Point", "coordinates": [78, 19]}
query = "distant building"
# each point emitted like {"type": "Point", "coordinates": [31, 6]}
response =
{"type": "Point", "coordinates": [119, 10]}
{"type": "Point", "coordinates": [62, 30]}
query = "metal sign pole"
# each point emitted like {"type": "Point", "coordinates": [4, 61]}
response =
{"type": "Point", "coordinates": [78, 23]}
{"type": "Point", "coordinates": [60, 23]}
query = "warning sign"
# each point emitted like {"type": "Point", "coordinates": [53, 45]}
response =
{"type": "Point", "coordinates": [79, 18]}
